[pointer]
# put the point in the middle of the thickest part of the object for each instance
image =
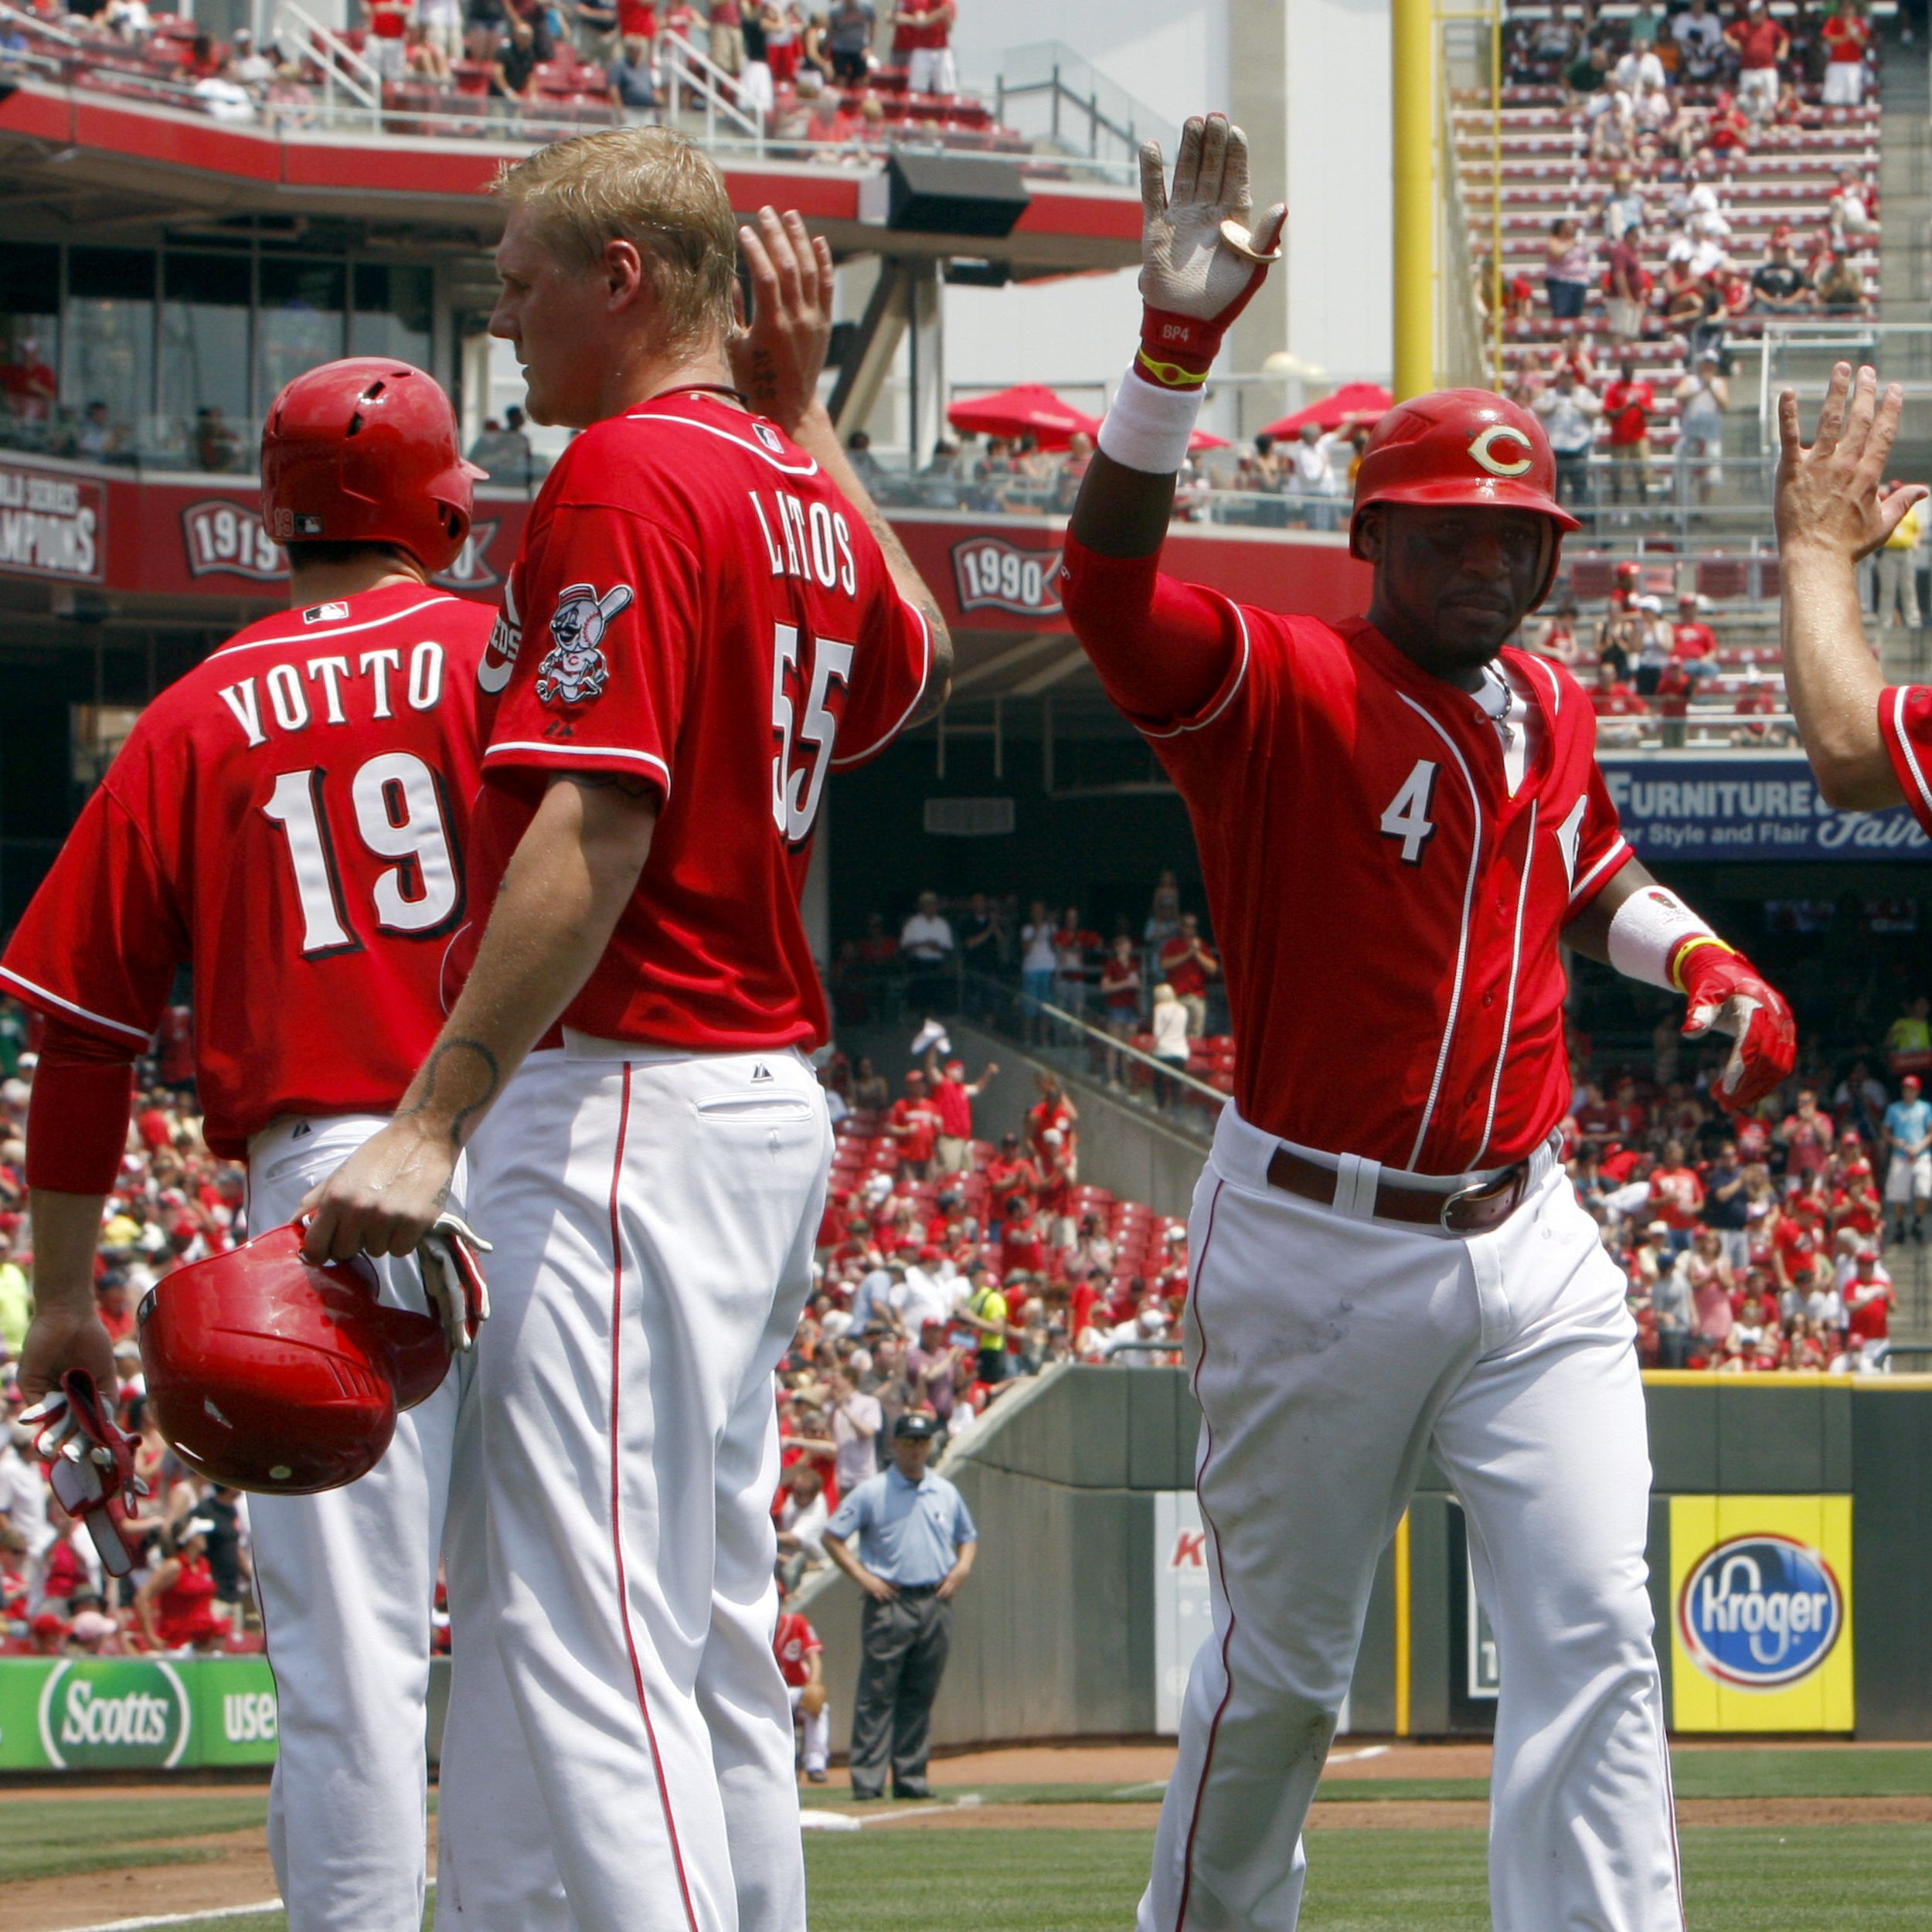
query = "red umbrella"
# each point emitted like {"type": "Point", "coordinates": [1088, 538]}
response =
{"type": "Point", "coordinates": [1200, 440]}
{"type": "Point", "coordinates": [1364, 401]}
{"type": "Point", "coordinates": [1029, 406]}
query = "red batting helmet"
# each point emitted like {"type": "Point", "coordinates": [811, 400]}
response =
{"type": "Point", "coordinates": [365, 451]}
{"type": "Point", "coordinates": [1457, 446]}
{"type": "Point", "coordinates": [270, 1373]}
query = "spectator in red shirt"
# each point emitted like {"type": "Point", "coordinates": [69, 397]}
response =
{"type": "Point", "coordinates": [1846, 37]}
{"type": "Point", "coordinates": [1009, 1172]}
{"type": "Point", "coordinates": [1120, 997]}
{"type": "Point", "coordinates": [1072, 943]}
{"type": "Point", "coordinates": [914, 1122]}
{"type": "Point", "coordinates": [1022, 1248]}
{"type": "Point", "coordinates": [1187, 965]}
{"type": "Point", "coordinates": [1052, 1109]}
{"type": "Point", "coordinates": [1676, 1196]}
{"type": "Point", "coordinates": [1612, 699]}
{"type": "Point", "coordinates": [1628, 406]}
{"type": "Point", "coordinates": [953, 1099]}
{"type": "Point", "coordinates": [1730, 127]}
{"type": "Point", "coordinates": [1760, 43]}
{"type": "Point", "coordinates": [112, 1301]}
{"type": "Point", "coordinates": [1675, 687]}
{"type": "Point", "coordinates": [1806, 1136]}
{"type": "Point", "coordinates": [1058, 1172]}
{"type": "Point", "coordinates": [1692, 642]}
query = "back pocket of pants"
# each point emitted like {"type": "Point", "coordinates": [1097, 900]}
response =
{"type": "Point", "coordinates": [754, 1110]}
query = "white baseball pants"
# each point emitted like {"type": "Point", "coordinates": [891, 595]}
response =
{"type": "Point", "coordinates": [818, 1729]}
{"type": "Point", "coordinates": [1329, 1353]}
{"type": "Point", "coordinates": [654, 1215]}
{"type": "Point", "coordinates": [347, 1580]}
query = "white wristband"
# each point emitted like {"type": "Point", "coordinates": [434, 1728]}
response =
{"type": "Point", "coordinates": [1149, 428]}
{"type": "Point", "coordinates": [1646, 929]}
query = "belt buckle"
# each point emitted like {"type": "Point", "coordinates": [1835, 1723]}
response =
{"type": "Point", "coordinates": [1510, 1184]}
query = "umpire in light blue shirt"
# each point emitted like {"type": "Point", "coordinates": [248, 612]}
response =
{"type": "Point", "coordinates": [916, 1542]}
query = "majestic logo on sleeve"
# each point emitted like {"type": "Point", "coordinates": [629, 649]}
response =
{"type": "Point", "coordinates": [1513, 458]}
{"type": "Point", "coordinates": [576, 671]}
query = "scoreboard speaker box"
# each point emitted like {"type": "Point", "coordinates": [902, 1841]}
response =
{"type": "Point", "coordinates": [954, 195]}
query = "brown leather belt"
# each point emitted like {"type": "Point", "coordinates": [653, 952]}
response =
{"type": "Point", "coordinates": [1469, 1210]}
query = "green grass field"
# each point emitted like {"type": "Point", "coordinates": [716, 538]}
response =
{"type": "Point", "coordinates": [1860, 1879]}
{"type": "Point", "coordinates": [1824, 1879]}
{"type": "Point", "coordinates": [45, 1839]}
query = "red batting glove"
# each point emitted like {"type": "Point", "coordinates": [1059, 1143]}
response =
{"type": "Point", "coordinates": [1201, 261]}
{"type": "Point", "coordinates": [1727, 993]}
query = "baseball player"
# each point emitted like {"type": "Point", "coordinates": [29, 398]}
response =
{"type": "Point", "coordinates": [288, 820]}
{"type": "Point", "coordinates": [802, 1663]}
{"type": "Point", "coordinates": [647, 1145]}
{"type": "Point", "coordinates": [1399, 822]}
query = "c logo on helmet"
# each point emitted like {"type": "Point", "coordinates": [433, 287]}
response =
{"type": "Point", "coordinates": [1483, 449]}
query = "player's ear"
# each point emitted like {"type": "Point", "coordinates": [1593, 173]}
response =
{"type": "Point", "coordinates": [1370, 531]}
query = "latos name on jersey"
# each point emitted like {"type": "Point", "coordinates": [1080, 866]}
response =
{"type": "Point", "coordinates": [337, 688]}
{"type": "Point", "coordinates": [811, 540]}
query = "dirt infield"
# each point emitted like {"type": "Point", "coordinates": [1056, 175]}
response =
{"type": "Point", "coordinates": [238, 1874]}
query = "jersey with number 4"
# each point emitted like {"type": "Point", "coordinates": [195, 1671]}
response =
{"type": "Point", "coordinates": [288, 820]}
{"type": "Point", "coordinates": [697, 610]}
{"type": "Point", "coordinates": [1388, 911]}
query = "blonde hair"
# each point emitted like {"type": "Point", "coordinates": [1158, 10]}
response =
{"type": "Point", "coordinates": [653, 189]}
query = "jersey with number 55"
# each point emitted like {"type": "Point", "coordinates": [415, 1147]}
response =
{"type": "Point", "coordinates": [286, 820]}
{"type": "Point", "coordinates": [696, 610]}
{"type": "Point", "coordinates": [1388, 907]}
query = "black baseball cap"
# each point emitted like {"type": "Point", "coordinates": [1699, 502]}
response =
{"type": "Point", "coordinates": [916, 1426]}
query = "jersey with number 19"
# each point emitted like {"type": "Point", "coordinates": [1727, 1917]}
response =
{"type": "Point", "coordinates": [697, 609]}
{"type": "Point", "coordinates": [289, 819]}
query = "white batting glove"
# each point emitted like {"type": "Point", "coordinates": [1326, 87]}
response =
{"type": "Point", "coordinates": [1201, 261]}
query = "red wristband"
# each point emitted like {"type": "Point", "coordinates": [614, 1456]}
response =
{"type": "Point", "coordinates": [1176, 351]}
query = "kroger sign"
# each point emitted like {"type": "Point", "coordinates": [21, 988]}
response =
{"type": "Point", "coordinates": [1760, 1611]}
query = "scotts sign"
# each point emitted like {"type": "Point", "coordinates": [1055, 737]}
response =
{"type": "Point", "coordinates": [1757, 1612]}
{"type": "Point", "coordinates": [991, 574]}
{"type": "Point", "coordinates": [114, 1713]}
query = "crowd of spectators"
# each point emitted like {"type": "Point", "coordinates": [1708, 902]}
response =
{"type": "Point", "coordinates": [951, 1267]}
{"type": "Point", "coordinates": [1758, 1241]}
{"type": "Point", "coordinates": [1154, 982]}
{"type": "Point", "coordinates": [1643, 662]}
{"type": "Point", "coordinates": [1667, 107]}
{"type": "Point", "coordinates": [188, 1592]}
{"type": "Point", "coordinates": [844, 78]}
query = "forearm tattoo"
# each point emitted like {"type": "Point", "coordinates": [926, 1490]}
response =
{"type": "Point", "coordinates": [433, 1070]}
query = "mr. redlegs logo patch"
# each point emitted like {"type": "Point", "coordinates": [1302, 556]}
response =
{"type": "Point", "coordinates": [991, 574]}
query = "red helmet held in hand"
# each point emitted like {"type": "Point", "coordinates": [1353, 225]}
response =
{"type": "Point", "coordinates": [1457, 447]}
{"type": "Point", "coordinates": [364, 451]}
{"type": "Point", "coordinates": [268, 1372]}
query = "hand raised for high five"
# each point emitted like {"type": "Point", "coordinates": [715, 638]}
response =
{"type": "Point", "coordinates": [1830, 497]}
{"type": "Point", "coordinates": [1201, 261]}
{"type": "Point", "coordinates": [777, 357]}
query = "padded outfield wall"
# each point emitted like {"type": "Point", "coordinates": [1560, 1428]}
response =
{"type": "Point", "coordinates": [1790, 1570]}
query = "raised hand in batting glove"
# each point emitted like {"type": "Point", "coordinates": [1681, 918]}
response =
{"type": "Point", "coordinates": [1728, 994]}
{"type": "Point", "coordinates": [1201, 261]}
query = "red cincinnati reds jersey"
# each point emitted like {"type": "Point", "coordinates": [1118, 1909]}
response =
{"type": "Point", "coordinates": [1387, 914]}
{"type": "Point", "coordinates": [696, 606]}
{"type": "Point", "coordinates": [1905, 722]}
{"type": "Point", "coordinates": [794, 1642]}
{"type": "Point", "coordinates": [287, 820]}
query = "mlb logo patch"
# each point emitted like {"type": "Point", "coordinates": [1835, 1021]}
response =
{"type": "Point", "coordinates": [325, 613]}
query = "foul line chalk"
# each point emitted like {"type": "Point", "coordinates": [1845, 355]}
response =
{"type": "Point", "coordinates": [190, 1918]}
